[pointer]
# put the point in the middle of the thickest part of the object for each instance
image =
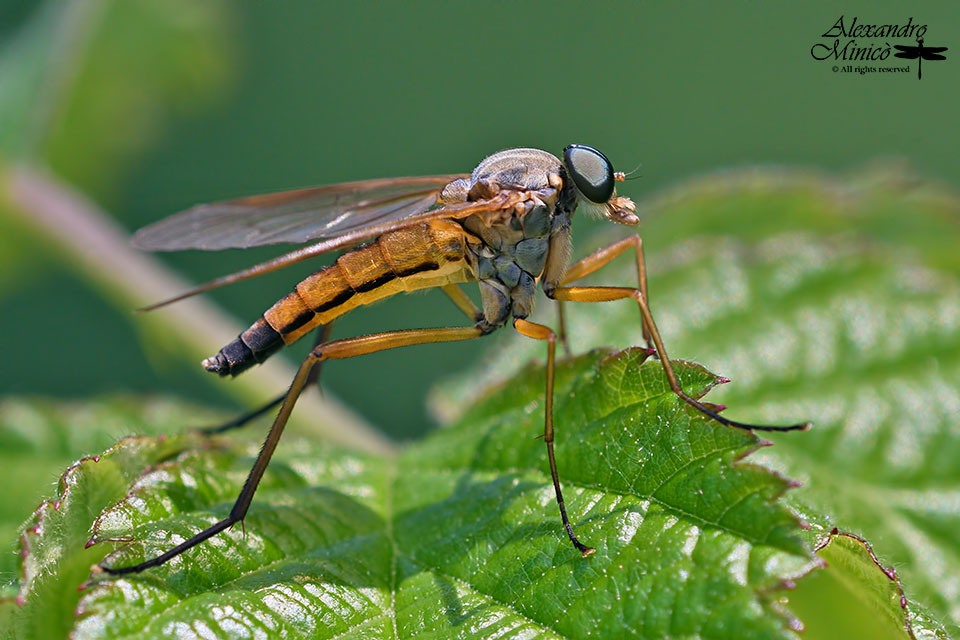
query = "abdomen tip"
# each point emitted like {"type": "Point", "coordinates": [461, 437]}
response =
{"type": "Point", "coordinates": [216, 364]}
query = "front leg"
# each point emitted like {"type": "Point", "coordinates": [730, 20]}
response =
{"type": "Point", "coordinates": [605, 294]}
{"type": "Point", "coordinates": [600, 258]}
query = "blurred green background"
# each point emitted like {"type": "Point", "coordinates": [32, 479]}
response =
{"type": "Point", "coordinates": [150, 106]}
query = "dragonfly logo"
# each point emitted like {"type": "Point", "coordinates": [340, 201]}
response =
{"type": "Point", "coordinates": [920, 53]}
{"type": "Point", "coordinates": [852, 41]}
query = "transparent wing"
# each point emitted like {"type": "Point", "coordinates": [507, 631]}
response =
{"type": "Point", "coordinates": [504, 200]}
{"type": "Point", "coordinates": [294, 216]}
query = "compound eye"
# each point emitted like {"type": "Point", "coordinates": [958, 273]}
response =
{"type": "Point", "coordinates": [591, 172]}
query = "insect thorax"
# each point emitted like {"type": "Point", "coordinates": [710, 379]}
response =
{"type": "Point", "coordinates": [512, 246]}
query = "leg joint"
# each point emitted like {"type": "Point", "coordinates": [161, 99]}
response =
{"type": "Point", "coordinates": [485, 327]}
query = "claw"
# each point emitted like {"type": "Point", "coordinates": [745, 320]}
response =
{"type": "Point", "coordinates": [712, 413]}
{"type": "Point", "coordinates": [715, 407]}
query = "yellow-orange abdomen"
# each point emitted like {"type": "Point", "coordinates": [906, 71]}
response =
{"type": "Point", "coordinates": [418, 257]}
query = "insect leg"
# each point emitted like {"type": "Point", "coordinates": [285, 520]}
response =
{"type": "Point", "coordinates": [606, 294]}
{"type": "Point", "coordinates": [562, 327]}
{"type": "Point", "coordinates": [601, 257]}
{"type": "Point", "coordinates": [243, 419]}
{"type": "Point", "coordinates": [540, 332]}
{"type": "Point", "coordinates": [336, 350]}
{"type": "Point", "coordinates": [240, 507]}
{"type": "Point", "coordinates": [323, 334]}
{"type": "Point", "coordinates": [463, 302]}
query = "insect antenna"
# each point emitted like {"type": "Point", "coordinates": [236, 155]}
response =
{"type": "Point", "coordinates": [620, 176]}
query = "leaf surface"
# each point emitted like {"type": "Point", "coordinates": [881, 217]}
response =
{"type": "Point", "coordinates": [460, 536]}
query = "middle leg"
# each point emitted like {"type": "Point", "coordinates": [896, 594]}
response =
{"type": "Point", "coordinates": [540, 332]}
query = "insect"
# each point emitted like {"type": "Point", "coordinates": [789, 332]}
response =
{"type": "Point", "coordinates": [506, 226]}
{"type": "Point", "coordinates": [920, 53]}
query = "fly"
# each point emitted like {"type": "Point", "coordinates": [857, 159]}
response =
{"type": "Point", "coordinates": [505, 226]}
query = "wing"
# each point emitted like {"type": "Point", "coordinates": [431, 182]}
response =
{"type": "Point", "coordinates": [506, 199]}
{"type": "Point", "coordinates": [908, 51]}
{"type": "Point", "coordinates": [293, 216]}
{"type": "Point", "coordinates": [933, 53]}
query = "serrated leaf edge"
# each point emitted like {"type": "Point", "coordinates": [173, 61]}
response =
{"type": "Point", "coordinates": [889, 572]}
{"type": "Point", "coordinates": [208, 443]}
{"type": "Point", "coordinates": [34, 525]}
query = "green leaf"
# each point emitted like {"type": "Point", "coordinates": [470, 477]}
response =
{"type": "Point", "coordinates": [856, 334]}
{"type": "Point", "coordinates": [460, 534]}
{"type": "Point", "coordinates": [37, 439]}
{"type": "Point", "coordinates": [857, 577]}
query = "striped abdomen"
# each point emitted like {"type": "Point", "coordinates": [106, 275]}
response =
{"type": "Point", "coordinates": [418, 257]}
